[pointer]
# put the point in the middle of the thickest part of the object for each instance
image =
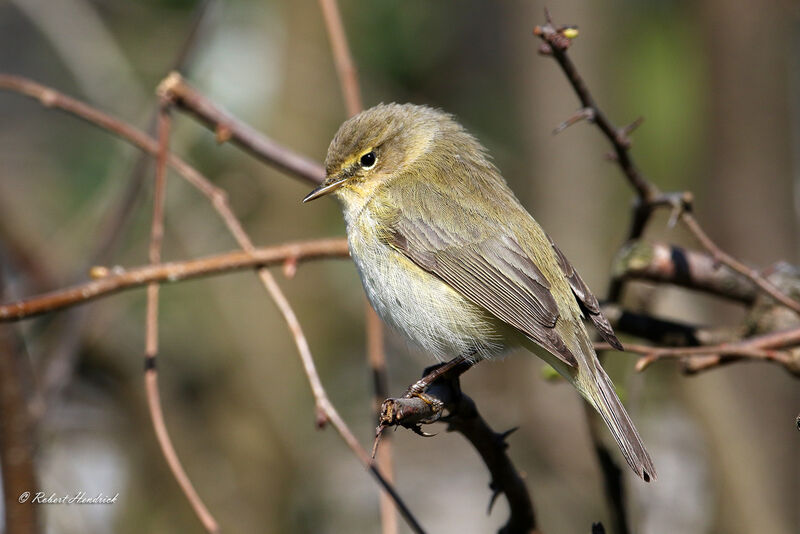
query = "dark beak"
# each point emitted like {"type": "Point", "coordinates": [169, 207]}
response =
{"type": "Point", "coordinates": [326, 187]}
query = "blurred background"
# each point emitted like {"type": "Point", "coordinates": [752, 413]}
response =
{"type": "Point", "coordinates": [717, 83]}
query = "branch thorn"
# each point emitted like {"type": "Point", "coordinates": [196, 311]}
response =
{"type": "Point", "coordinates": [581, 114]}
{"type": "Point", "coordinates": [630, 128]}
{"type": "Point", "coordinates": [417, 429]}
{"type": "Point", "coordinates": [504, 435]}
{"type": "Point", "coordinates": [493, 499]}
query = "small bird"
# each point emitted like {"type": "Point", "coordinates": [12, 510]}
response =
{"type": "Point", "coordinates": [450, 258]}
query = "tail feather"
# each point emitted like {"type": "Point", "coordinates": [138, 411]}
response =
{"type": "Point", "coordinates": [605, 401]}
{"type": "Point", "coordinates": [593, 383]}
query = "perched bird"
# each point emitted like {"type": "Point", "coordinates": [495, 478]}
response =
{"type": "Point", "coordinates": [450, 258]}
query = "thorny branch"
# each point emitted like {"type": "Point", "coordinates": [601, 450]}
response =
{"type": "Point", "coordinates": [555, 42]}
{"type": "Point", "coordinates": [443, 401]}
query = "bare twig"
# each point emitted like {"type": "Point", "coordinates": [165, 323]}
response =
{"type": "Point", "coordinates": [558, 43]}
{"type": "Point", "coordinates": [16, 437]}
{"type": "Point", "coordinates": [726, 259]}
{"type": "Point", "coordinates": [193, 101]}
{"type": "Point", "coordinates": [51, 98]}
{"type": "Point", "coordinates": [376, 358]}
{"type": "Point", "coordinates": [151, 331]}
{"type": "Point", "coordinates": [345, 66]}
{"type": "Point", "coordinates": [109, 281]}
{"type": "Point", "coordinates": [649, 196]}
{"type": "Point", "coordinates": [765, 347]}
{"type": "Point", "coordinates": [227, 127]}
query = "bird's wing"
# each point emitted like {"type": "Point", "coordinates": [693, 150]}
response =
{"type": "Point", "coordinates": [587, 301]}
{"type": "Point", "coordinates": [490, 269]}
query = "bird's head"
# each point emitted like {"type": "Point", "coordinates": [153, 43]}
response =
{"type": "Point", "coordinates": [375, 146]}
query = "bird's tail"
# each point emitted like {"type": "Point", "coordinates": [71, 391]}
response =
{"type": "Point", "coordinates": [596, 387]}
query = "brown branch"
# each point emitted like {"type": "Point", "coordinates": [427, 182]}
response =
{"type": "Point", "coordinates": [726, 259]}
{"type": "Point", "coordinates": [151, 331]}
{"type": "Point", "coordinates": [345, 66]}
{"type": "Point", "coordinates": [765, 347]}
{"type": "Point", "coordinates": [17, 442]}
{"type": "Point", "coordinates": [649, 196]}
{"type": "Point", "coordinates": [326, 412]}
{"type": "Point", "coordinates": [51, 98]}
{"type": "Point", "coordinates": [670, 264]}
{"type": "Point", "coordinates": [227, 127]}
{"type": "Point", "coordinates": [113, 280]}
{"type": "Point", "coordinates": [376, 358]}
{"type": "Point", "coordinates": [444, 401]}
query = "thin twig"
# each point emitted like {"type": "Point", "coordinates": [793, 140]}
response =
{"type": "Point", "coordinates": [193, 101]}
{"type": "Point", "coordinates": [17, 442]}
{"type": "Point", "coordinates": [558, 44]}
{"type": "Point", "coordinates": [649, 196]}
{"type": "Point", "coordinates": [109, 281]}
{"type": "Point", "coordinates": [151, 331]}
{"type": "Point", "coordinates": [376, 358]}
{"type": "Point", "coordinates": [345, 66]}
{"type": "Point", "coordinates": [726, 259]}
{"type": "Point", "coordinates": [227, 127]}
{"type": "Point", "coordinates": [763, 347]}
{"type": "Point", "coordinates": [52, 98]}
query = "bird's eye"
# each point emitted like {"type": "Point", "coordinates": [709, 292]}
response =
{"type": "Point", "coordinates": [368, 160]}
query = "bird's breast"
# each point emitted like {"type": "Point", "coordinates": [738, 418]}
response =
{"type": "Point", "coordinates": [418, 304]}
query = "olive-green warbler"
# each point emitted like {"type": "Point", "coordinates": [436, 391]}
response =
{"type": "Point", "coordinates": [450, 258]}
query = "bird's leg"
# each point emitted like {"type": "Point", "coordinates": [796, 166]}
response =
{"type": "Point", "coordinates": [416, 407]}
{"type": "Point", "coordinates": [449, 370]}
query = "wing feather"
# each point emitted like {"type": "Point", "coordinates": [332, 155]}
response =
{"type": "Point", "coordinates": [493, 272]}
{"type": "Point", "coordinates": [588, 302]}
